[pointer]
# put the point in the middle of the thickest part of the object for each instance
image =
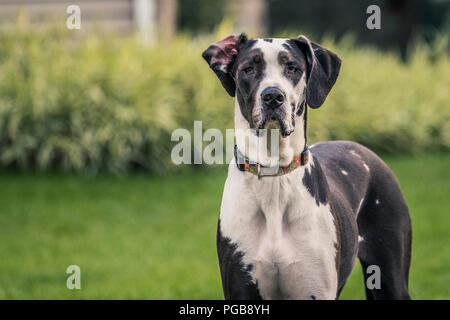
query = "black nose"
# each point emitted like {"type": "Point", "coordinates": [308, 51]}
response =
{"type": "Point", "coordinates": [272, 97]}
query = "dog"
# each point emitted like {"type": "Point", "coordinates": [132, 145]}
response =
{"type": "Point", "coordinates": [295, 232]}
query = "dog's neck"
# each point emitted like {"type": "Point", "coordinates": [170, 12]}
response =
{"type": "Point", "coordinates": [258, 148]}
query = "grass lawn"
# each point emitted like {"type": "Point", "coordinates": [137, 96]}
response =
{"type": "Point", "coordinates": [144, 237]}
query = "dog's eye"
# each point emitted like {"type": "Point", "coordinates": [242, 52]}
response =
{"type": "Point", "coordinates": [249, 70]}
{"type": "Point", "coordinates": [291, 69]}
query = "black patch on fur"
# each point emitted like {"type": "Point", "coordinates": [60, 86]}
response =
{"type": "Point", "coordinates": [301, 107]}
{"type": "Point", "coordinates": [323, 69]}
{"type": "Point", "coordinates": [385, 227]}
{"type": "Point", "coordinates": [292, 57]}
{"type": "Point", "coordinates": [236, 280]}
{"type": "Point", "coordinates": [247, 46]}
{"type": "Point", "coordinates": [268, 40]}
{"type": "Point", "coordinates": [247, 85]}
{"type": "Point", "coordinates": [316, 187]}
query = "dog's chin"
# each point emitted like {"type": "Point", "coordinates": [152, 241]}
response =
{"type": "Point", "coordinates": [273, 122]}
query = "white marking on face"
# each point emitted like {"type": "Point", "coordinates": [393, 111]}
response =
{"type": "Point", "coordinates": [255, 147]}
{"type": "Point", "coordinates": [282, 232]}
{"type": "Point", "coordinates": [345, 173]}
{"type": "Point", "coordinates": [274, 77]}
{"type": "Point", "coordinates": [377, 202]}
{"type": "Point", "coordinates": [360, 239]}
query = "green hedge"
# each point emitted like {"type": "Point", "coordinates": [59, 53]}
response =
{"type": "Point", "coordinates": [105, 103]}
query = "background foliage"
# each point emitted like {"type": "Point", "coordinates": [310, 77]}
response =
{"type": "Point", "coordinates": [103, 103]}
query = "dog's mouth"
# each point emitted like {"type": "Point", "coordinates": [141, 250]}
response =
{"type": "Point", "coordinates": [274, 121]}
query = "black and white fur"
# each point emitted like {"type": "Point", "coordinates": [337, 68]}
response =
{"type": "Point", "coordinates": [297, 236]}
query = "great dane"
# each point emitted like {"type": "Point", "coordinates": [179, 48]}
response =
{"type": "Point", "coordinates": [294, 232]}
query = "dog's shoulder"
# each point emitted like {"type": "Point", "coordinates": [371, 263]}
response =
{"type": "Point", "coordinates": [344, 159]}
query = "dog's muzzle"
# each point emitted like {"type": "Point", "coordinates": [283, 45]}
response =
{"type": "Point", "coordinates": [272, 97]}
{"type": "Point", "coordinates": [273, 102]}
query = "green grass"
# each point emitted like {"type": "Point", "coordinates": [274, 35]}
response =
{"type": "Point", "coordinates": [148, 237]}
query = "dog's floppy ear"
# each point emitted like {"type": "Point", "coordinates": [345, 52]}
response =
{"type": "Point", "coordinates": [323, 70]}
{"type": "Point", "coordinates": [221, 56]}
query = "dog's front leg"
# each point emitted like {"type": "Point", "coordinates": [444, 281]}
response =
{"type": "Point", "coordinates": [236, 279]}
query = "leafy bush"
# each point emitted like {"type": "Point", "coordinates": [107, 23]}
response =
{"type": "Point", "coordinates": [388, 105]}
{"type": "Point", "coordinates": [104, 103]}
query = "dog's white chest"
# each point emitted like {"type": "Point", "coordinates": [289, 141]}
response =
{"type": "Point", "coordinates": [281, 230]}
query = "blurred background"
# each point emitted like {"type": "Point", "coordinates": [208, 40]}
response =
{"type": "Point", "coordinates": [86, 117]}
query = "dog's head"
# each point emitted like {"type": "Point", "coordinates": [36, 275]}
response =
{"type": "Point", "coordinates": [273, 79]}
